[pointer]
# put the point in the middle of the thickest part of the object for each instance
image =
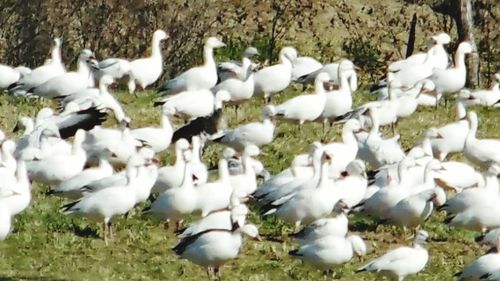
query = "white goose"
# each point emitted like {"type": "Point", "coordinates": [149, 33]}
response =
{"type": "Point", "coordinates": [275, 78]}
{"type": "Point", "coordinates": [71, 188]}
{"type": "Point", "coordinates": [330, 251]}
{"type": "Point", "coordinates": [214, 247]}
{"type": "Point", "coordinates": [339, 102]}
{"type": "Point", "coordinates": [305, 107]}
{"type": "Point", "coordinates": [482, 152]}
{"type": "Point", "coordinates": [70, 82]}
{"type": "Point", "coordinates": [194, 103]}
{"type": "Point", "coordinates": [106, 203]}
{"type": "Point", "coordinates": [172, 176]}
{"type": "Point", "coordinates": [219, 220]}
{"type": "Point", "coordinates": [246, 183]}
{"type": "Point", "coordinates": [215, 195]}
{"type": "Point", "coordinates": [177, 202]}
{"type": "Point", "coordinates": [486, 97]}
{"type": "Point", "coordinates": [333, 226]}
{"type": "Point", "coordinates": [100, 98]}
{"type": "Point", "coordinates": [484, 266]}
{"type": "Point", "coordinates": [20, 186]}
{"type": "Point", "coordinates": [458, 176]}
{"type": "Point", "coordinates": [304, 65]}
{"type": "Point", "coordinates": [120, 142]}
{"type": "Point", "coordinates": [255, 133]}
{"type": "Point", "coordinates": [157, 138]}
{"type": "Point", "coordinates": [352, 184]}
{"type": "Point", "coordinates": [403, 261]}
{"type": "Point", "coordinates": [452, 79]}
{"type": "Point", "coordinates": [232, 69]}
{"type": "Point", "coordinates": [56, 168]}
{"type": "Point", "coordinates": [198, 168]}
{"type": "Point", "coordinates": [344, 152]}
{"type": "Point", "coordinates": [42, 73]}
{"type": "Point", "coordinates": [146, 71]}
{"type": "Point", "coordinates": [332, 69]}
{"type": "Point", "coordinates": [196, 78]}
{"type": "Point", "coordinates": [115, 67]}
{"type": "Point", "coordinates": [450, 138]}
{"type": "Point", "coordinates": [240, 89]}
{"type": "Point", "coordinates": [8, 76]}
{"type": "Point", "coordinates": [308, 204]}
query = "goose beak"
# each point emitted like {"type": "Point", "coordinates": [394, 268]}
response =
{"type": "Point", "coordinates": [258, 238]}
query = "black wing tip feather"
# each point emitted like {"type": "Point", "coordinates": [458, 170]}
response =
{"type": "Point", "coordinates": [158, 103]}
{"type": "Point", "coordinates": [68, 206]}
{"type": "Point", "coordinates": [479, 238]}
{"type": "Point", "coordinates": [294, 253]}
{"type": "Point", "coordinates": [449, 219]}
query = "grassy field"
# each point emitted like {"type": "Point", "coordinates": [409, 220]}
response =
{"type": "Point", "coordinates": [46, 245]}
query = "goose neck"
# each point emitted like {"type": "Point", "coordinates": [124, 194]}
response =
{"type": "Point", "coordinates": [83, 68]}
{"type": "Point", "coordinates": [155, 48]}
{"type": "Point", "coordinates": [472, 129]}
{"type": "Point", "coordinates": [348, 136]}
{"type": "Point", "coordinates": [187, 180]}
{"type": "Point", "coordinates": [323, 177]}
{"type": "Point", "coordinates": [223, 172]}
{"type": "Point", "coordinates": [21, 172]}
{"type": "Point", "coordinates": [318, 87]}
{"type": "Point", "coordinates": [28, 127]}
{"type": "Point", "coordinates": [208, 56]}
{"type": "Point", "coordinates": [56, 54]}
{"type": "Point", "coordinates": [460, 60]}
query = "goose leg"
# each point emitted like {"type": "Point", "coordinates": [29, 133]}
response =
{"type": "Point", "coordinates": [178, 226]}
{"type": "Point", "coordinates": [217, 272]}
{"type": "Point", "coordinates": [236, 107]}
{"type": "Point", "coordinates": [110, 228]}
{"type": "Point", "coordinates": [105, 226]}
{"type": "Point", "coordinates": [166, 224]}
{"type": "Point", "coordinates": [209, 272]}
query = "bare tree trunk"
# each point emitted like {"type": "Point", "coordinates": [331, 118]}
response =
{"type": "Point", "coordinates": [411, 36]}
{"type": "Point", "coordinates": [465, 28]}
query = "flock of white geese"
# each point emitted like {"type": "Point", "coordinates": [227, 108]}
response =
{"type": "Point", "coordinates": [315, 194]}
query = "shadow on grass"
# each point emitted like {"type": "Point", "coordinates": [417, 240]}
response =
{"type": "Point", "coordinates": [86, 232]}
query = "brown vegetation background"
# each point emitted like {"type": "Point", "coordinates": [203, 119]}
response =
{"type": "Point", "coordinates": [368, 31]}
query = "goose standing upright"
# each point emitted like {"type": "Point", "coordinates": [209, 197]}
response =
{"type": "Point", "coordinates": [42, 73]}
{"type": "Point", "coordinates": [275, 78]}
{"type": "Point", "coordinates": [452, 79]}
{"type": "Point", "coordinates": [482, 152]}
{"type": "Point", "coordinates": [402, 261]}
{"type": "Point", "coordinates": [196, 78]}
{"type": "Point", "coordinates": [172, 176]}
{"type": "Point", "coordinates": [157, 138]}
{"type": "Point", "coordinates": [146, 71]}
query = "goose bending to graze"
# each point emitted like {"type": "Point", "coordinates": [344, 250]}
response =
{"type": "Point", "coordinates": [106, 203]}
{"type": "Point", "coordinates": [403, 261]}
{"type": "Point", "coordinates": [452, 79]}
{"type": "Point", "coordinates": [56, 168]}
{"type": "Point", "coordinates": [333, 226]}
{"type": "Point", "coordinates": [196, 78]}
{"type": "Point", "coordinates": [172, 176]}
{"type": "Point", "coordinates": [305, 107]}
{"type": "Point", "coordinates": [100, 98]}
{"type": "Point", "coordinates": [450, 138]}
{"type": "Point", "coordinates": [70, 82]}
{"type": "Point", "coordinates": [71, 188]}
{"type": "Point", "coordinates": [330, 251]}
{"type": "Point", "coordinates": [194, 103]}
{"type": "Point", "coordinates": [42, 73]}
{"type": "Point", "coordinates": [275, 78]}
{"type": "Point", "coordinates": [486, 97]}
{"type": "Point", "coordinates": [114, 67]}
{"type": "Point", "coordinates": [458, 176]}
{"type": "Point", "coordinates": [213, 247]}
{"type": "Point", "coordinates": [232, 69]}
{"type": "Point", "coordinates": [255, 133]}
{"type": "Point", "coordinates": [482, 152]}
{"type": "Point", "coordinates": [304, 65]}
{"type": "Point", "coordinates": [157, 138]}
{"type": "Point", "coordinates": [484, 267]}
{"type": "Point", "coordinates": [19, 184]}
{"type": "Point", "coordinates": [146, 71]}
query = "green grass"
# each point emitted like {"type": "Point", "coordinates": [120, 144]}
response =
{"type": "Point", "coordinates": [46, 245]}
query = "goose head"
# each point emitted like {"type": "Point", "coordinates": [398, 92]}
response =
{"type": "Point", "coordinates": [356, 168]}
{"type": "Point", "coordinates": [43, 114]}
{"type": "Point", "coordinates": [341, 207]}
{"type": "Point", "coordinates": [181, 145]}
{"type": "Point", "coordinates": [214, 42]}
{"type": "Point", "coordinates": [251, 151]}
{"type": "Point", "coordinates": [322, 80]}
{"type": "Point", "coordinates": [24, 122]}
{"type": "Point", "coordinates": [160, 35]}
{"type": "Point", "coordinates": [250, 230]}
{"type": "Point", "coordinates": [57, 42]}
{"type": "Point", "coordinates": [289, 53]}
{"type": "Point", "coordinates": [268, 111]}
{"type": "Point", "coordinates": [229, 153]}
{"type": "Point", "coordinates": [86, 54]}
{"type": "Point", "coordinates": [441, 39]}
{"type": "Point", "coordinates": [464, 48]}
{"type": "Point", "coordinates": [427, 86]}
{"type": "Point", "coordinates": [238, 211]}
{"type": "Point", "coordinates": [353, 125]}
{"type": "Point", "coordinates": [250, 52]}
{"type": "Point", "coordinates": [421, 237]}
{"type": "Point", "coordinates": [438, 197]}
